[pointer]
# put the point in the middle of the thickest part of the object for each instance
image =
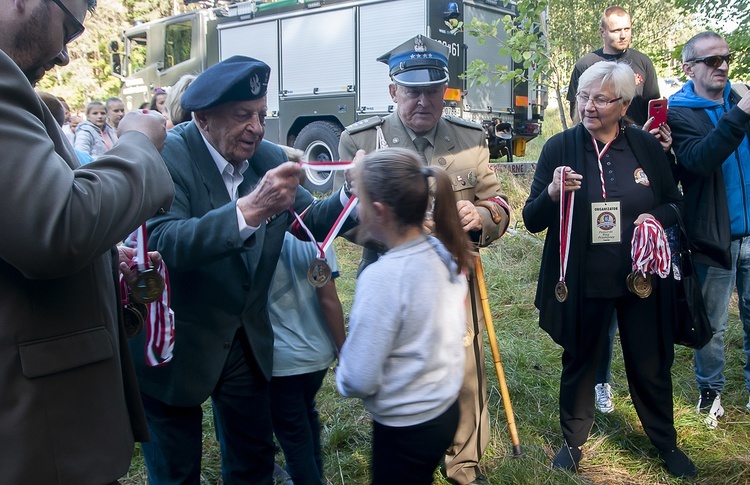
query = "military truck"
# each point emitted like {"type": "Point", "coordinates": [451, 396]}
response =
{"type": "Point", "coordinates": [323, 70]}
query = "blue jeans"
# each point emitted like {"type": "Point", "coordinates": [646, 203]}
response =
{"type": "Point", "coordinates": [296, 424]}
{"type": "Point", "coordinates": [604, 368]}
{"type": "Point", "coordinates": [718, 284]}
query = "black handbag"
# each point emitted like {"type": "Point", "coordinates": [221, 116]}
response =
{"type": "Point", "coordinates": [691, 326]}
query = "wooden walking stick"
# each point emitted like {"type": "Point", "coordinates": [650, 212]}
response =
{"type": "Point", "coordinates": [479, 271]}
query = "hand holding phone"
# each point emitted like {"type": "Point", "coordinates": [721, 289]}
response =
{"type": "Point", "coordinates": [657, 109]}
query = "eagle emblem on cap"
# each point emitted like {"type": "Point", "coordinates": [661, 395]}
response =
{"type": "Point", "coordinates": [255, 84]}
{"type": "Point", "coordinates": [419, 44]}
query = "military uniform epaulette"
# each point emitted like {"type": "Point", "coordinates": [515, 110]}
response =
{"type": "Point", "coordinates": [364, 125]}
{"type": "Point", "coordinates": [462, 122]}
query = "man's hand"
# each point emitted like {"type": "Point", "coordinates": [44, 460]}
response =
{"type": "Point", "coordinates": [151, 123]}
{"type": "Point", "coordinates": [274, 193]}
{"type": "Point", "coordinates": [469, 216]}
{"type": "Point", "coordinates": [744, 103]}
{"type": "Point", "coordinates": [350, 179]}
{"type": "Point", "coordinates": [126, 256]}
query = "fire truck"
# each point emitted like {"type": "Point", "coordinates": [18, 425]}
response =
{"type": "Point", "coordinates": [324, 75]}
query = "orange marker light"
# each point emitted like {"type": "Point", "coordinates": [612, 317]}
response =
{"type": "Point", "coordinates": [452, 94]}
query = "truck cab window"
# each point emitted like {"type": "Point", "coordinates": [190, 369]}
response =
{"type": "Point", "coordinates": [177, 43]}
{"type": "Point", "coordinates": [136, 45]}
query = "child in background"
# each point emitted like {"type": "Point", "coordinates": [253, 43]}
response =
{"type": "Point", "coordinates": [308, 331]}
{"type": "Point", "coordinates": [405, 355]}
{"type": "Point", "coordinates": [94, 136]}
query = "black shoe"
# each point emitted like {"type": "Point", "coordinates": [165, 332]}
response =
{"type": "Point", "coordinates": [678, 464]}
{"type": "Point", "coordinates": [480, 480]}
{"type": "Point", "coordinates": [568, 458]}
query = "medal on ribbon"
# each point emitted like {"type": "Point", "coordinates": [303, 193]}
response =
{"type": "Point", "coordinates": [649, 250]}
{"type": "Point", "coordinates": [567, 200]}
{"type": "Point", "coordinates": [319, 273]}
{"type": "Point", "coordinates": [149, 284]}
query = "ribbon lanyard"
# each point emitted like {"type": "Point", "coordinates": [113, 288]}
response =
{"type": "Point", "coordinates": [348, 208]}
{"type": "Point", "coordinates": [599, 156]}
{"type": "Point", "coordinates": [567, 202]}
{"type": "Point", "coordinates": [328, 166]}
{"type": "Point", "coordinates": [322, 248]}
{"type": "Point", "coordinates": [650, 249]}
{"type": "Point", "coordinates": [141, 246]}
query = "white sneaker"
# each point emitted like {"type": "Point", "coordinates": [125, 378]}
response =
{"type": "Point", "coordinates": [709, 403]}
{"type": "Point", "coordinates": [604, 398]}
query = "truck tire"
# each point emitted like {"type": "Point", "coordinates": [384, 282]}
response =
{"type": "Point", "coordinates": [320, 142]}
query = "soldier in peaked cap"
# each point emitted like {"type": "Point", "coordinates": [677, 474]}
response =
{"type": "Point", "coordinates": [221, 242]}
{"type": "Point", "coordinates": [419, 72]}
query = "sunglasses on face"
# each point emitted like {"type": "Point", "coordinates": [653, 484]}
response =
{"type": "Point", "coordinates": [77, 30]}
{"type": "Point", "coordinates": [715, 61]}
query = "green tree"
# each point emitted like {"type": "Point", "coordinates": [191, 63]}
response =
{"type": "Point", "coordinates": [547, 38]}
{"type": "Point", "coordinates": [730, 18]}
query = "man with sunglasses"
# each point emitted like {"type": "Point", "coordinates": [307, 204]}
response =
{"type": "Point", "coordinates": [70, 408]}
{"type": "Point", "coordinates": [710, 126]}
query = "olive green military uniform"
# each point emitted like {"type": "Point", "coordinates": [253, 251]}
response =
{"type": "Point", "coordinates": [460, 148]}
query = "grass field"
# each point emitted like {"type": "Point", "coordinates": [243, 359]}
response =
{"type": "Point", "coordinates": [617, 452]}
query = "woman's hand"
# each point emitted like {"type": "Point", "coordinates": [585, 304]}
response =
{"type": "Point", "coordinates": [663, 134]}
{"type": "Point", "coordinates": [572, 182]}
{"type": "Point", "coordinates": [642, 218]}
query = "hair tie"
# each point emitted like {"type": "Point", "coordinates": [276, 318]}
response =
{"type": "Point", "coordinates": [425, 171]}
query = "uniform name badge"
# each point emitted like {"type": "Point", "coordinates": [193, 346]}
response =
{"type": "Point", "coordinates": [605, 222]}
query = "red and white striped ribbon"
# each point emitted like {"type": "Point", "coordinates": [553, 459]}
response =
{"type": "Point", "coordinates": [650, 249]}
{"type": "Point", "coordinates": [328, 166]}
{"type": "Point", "coordinates": [159, 345]}
{"type": "Point", "coordinates": [567, 202]}
{"type": "Point", "coordinates": [322, 248]}
{"type": "Point", "coordinates": [599, 156]}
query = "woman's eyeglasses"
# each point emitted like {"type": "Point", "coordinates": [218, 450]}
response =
{"type": "Point", "coordinates": [715, 61]}
{"type": "Point", "coordinates": [598, 101]}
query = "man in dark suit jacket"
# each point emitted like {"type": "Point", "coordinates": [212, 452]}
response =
{"type": "Point", "coordinates": [221, 242]}
{"type": "Point", "coordinates": [69, 407]}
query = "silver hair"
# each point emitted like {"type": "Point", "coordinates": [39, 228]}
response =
{"type": "Point", "coordinates": [618, 75]}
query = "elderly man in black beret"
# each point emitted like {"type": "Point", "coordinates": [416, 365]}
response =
{"type": "Point", "coordinates": [221, 242]}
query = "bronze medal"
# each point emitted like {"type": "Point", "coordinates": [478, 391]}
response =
{"type": "Point", "coordinates": [319, 273]}
{"type": "Point", "coordinates": [148, 286]}
{"type": "Point", "coordinates": [133, 320]}
{"type": "Point", "coordinates": [561, 291]}
{"type": "Point", "coordinates": [640, 284]}
{"type": "Point", "coordinates": [629, 282]}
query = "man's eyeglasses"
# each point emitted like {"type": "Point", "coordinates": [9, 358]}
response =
{"type": "Point", "coordinates": [598, 102]}
{"type": "Point", "coordinates": [79, 28]}
{"type": "Point", "coordinates": [714, 61]}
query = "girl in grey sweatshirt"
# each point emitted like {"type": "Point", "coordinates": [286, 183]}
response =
{"type": "Point", "coordinates": [404, 356]}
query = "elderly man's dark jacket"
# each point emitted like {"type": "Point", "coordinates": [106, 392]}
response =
{"type": "Point", "coordinates": [219, 282]}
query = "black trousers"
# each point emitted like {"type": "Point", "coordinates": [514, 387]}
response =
{"type": "Point", "coordinates": [409, 455]}
{"type": "Point", "coordinates": [242, 417]}
{"type": "Point", "coordinates": [648, 353]}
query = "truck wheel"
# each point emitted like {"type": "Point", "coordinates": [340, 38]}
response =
{"type": "Point", "coordinates": [320, 142]}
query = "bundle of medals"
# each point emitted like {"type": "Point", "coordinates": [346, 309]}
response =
{"type": "Point", "coordinates": [146, 303]}
{"type": "Point", "coordinates": [319, 273]}
{"type": "Point", "coordinates": [651, 255]}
